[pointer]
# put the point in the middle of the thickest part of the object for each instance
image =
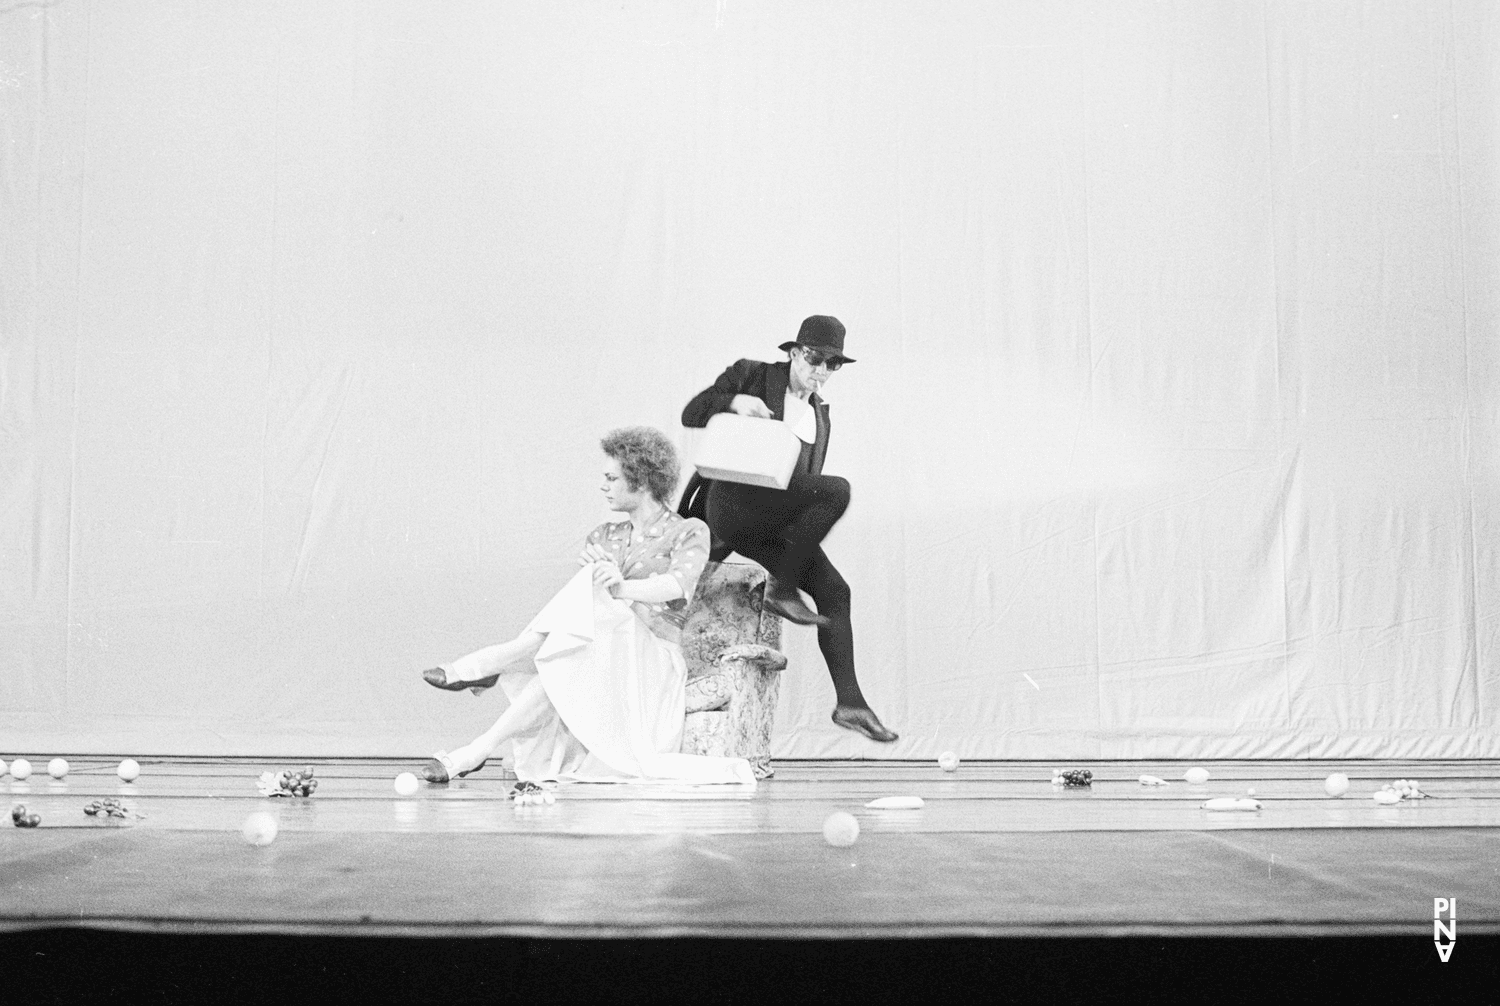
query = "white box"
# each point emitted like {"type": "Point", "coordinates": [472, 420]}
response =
{"type": "Point", "coordinates": [735, 448]}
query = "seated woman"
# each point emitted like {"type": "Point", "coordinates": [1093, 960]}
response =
{"type": "Point", "coordinates": [597, 681]}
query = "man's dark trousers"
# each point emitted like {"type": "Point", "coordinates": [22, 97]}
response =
{"type": "Point", "coordinates": [782, 530]}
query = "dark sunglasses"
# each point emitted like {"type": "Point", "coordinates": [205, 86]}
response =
{"type": "Point", "coordinates": [817, 359]}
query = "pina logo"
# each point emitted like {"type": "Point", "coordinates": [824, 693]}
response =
{"type": "Point", "coordinates": [1441, 929]}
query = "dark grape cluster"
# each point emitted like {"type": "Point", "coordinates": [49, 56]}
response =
{"type": "Point", "coordinates": [108, 807]}
{"type": "Point", "coordinates": [1073, 778]}
{"type": "Point", "coordinates": [292, 783]}
{"type": "Point", "coordinates": [21, 819]}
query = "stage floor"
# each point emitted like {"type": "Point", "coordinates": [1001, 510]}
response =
{"type": "Point", "coordinates": [995, 851]}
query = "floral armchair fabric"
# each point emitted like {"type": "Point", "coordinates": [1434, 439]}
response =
{"type": "Point", "coordinates": [734, 667]}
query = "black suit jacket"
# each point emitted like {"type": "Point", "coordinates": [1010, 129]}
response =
{"type": "Point", "coordinates": [768, 382]}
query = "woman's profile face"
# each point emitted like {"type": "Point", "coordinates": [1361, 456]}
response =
{"type": "Point", "coordinates": [617, 492]}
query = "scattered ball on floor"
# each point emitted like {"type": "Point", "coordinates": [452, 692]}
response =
{"type": "Point", "coordinates": [1336, 784]}
{"type": "Point", "coordinates": [840, 829]}
{"type": "Point", "coordinates": [406, 784]}
{"type": "Point", "coordinates": [1386, 796]}
{"type": "Point", "coordinates": [259, 829]}
{"type": "Point", "coordinates": [1197, 776]}
{"type": "Point", "coordinates": [20, 769]}
{"type": "Point", "coordinates": [129, 770]}
{"type": "Point", "coordinates": [57, 768]}
{"type": "Point", "coordinates": [948, 761]}
{"type": "Point", "coordinates": [4, 768]}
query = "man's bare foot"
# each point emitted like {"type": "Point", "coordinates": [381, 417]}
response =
{"type": "Point", "coordinates": [787, 602]}
{"type": "Point", "coordinates": [862, 719]}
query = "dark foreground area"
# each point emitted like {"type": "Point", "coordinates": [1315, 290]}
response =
{"type": "Point", "coordinates": [74, 965]}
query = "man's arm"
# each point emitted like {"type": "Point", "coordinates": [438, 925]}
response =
{"type": "Point", "coordinates": [719, 397]}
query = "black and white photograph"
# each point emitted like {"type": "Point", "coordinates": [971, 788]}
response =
{"type": "Point", "coordinates": [749, 501]}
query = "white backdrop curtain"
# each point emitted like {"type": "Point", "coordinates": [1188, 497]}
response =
{"type": "Point", "coordinates": [1175, 430]}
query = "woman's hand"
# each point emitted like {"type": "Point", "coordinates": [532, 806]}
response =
{"type": "Point", "coordinates": [607, 575]}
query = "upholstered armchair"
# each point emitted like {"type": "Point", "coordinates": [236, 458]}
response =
{"type": "Point", "coordinates": [734, 667]}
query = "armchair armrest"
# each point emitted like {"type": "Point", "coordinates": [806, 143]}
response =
{"type": "Point", "coordinates": [762, 657]}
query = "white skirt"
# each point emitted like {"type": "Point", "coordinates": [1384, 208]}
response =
{"type": "Point", "coordinates": [618, 694]}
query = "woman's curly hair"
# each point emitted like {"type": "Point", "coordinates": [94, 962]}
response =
{"type": "Point", "coordinates": [646, 457]}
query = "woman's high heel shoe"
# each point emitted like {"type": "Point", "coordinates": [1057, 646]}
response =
{"type": "Point", "coordinates": [438, 678]}
{"type": "Point", "coordinates": [439, 769]}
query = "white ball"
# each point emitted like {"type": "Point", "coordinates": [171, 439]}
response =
{"type": "Point", "coordinates": [20, 769]}
{"type": "Point", "coordinates": [1336, 784]}
{"type": "Point", "coordinates": [840, 829]}
{"type": "Point", "coordinates": [948, 761]}
{"type": "Point", "coordinates": [4, 768]}
{"type": "Point", "coordinates": [57, 768]}
{"type": "Point", "coordinates": [259, 828]}
{"type": "Point", "coordinates": [1196, 776]}
{"type": "Point", "coordinates": [406, 784]}
{"type": "Point", "coordinates": [129, 770]}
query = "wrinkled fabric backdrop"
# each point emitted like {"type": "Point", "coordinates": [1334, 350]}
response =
{"type": "Point", "coordinates": [1174, 429]}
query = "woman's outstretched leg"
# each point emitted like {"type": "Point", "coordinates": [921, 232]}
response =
{"type": "Point", "coordinates": [490, 661]}
{"type": "Point", "coordinates": [527, 709]}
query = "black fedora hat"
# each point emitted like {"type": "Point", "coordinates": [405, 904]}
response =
{"type": "Point", "coordinates": [822, 332]}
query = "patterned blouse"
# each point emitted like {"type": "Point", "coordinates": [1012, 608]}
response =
{"type": "Point", "coordinates": [673, 545]}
